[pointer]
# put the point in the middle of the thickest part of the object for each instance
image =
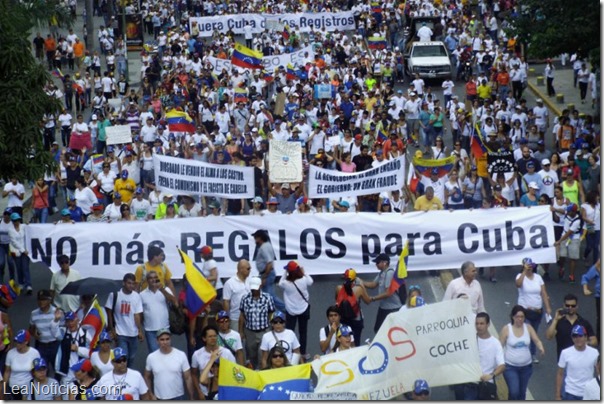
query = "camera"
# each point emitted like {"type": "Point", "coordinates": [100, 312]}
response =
{"type": "Point", "coordinates": [564, 312]}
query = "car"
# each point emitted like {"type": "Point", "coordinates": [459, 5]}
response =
{"type": "Point", "coordinates": [429, 59]}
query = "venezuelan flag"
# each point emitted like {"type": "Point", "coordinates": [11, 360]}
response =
{"type": "Point", "coordinates": [97, 159]}
{"type": "Point", "coordinates": [425, 166]}
{"type": "Point", "coordinates": [180, 121]}
{"type": "Point", "coordinates": [279, 383]}
{"type": "Point", "coordinates": [377, 42]}
{"type": "Point", "coordinates": [376, 7]}
{"type": "Point", "coordinates": [240, 95]}
{"type": "Point", "coordinates": [95, 319]}
{"type": "Point", "coordinates": [246, 57]}
{"type": "Point", "coordinates": [58, 73]}
{"type": "Point", "coordinates": [236, 382]}
{"type": "Point", "coordinates": [199, 291]}
{"type": "Point", "coordinates": [381, 136]}
{"type": "Point", "coordinates": [398, 279]}
{"type": "Point", "coordinates": [477, 145]}
{"type": "Point", "coordinates": [286, 32]}
{"type": "Point", "coordinates": [14, 290]}
{"type": "Point", "coordinates": [290, 72]}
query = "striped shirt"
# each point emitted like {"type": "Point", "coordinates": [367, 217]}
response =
{"type": "Point", "coordinates": [42, 322]}
{"type": "Point", "coordinates": [256, 311]}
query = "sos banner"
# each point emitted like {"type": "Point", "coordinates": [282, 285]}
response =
{"type": "Point", "coordinates": [436, 342]}
{"type": "Point", "coordinates": [302, 22]}
{"type": "Point", "coordinates": [324, 243]}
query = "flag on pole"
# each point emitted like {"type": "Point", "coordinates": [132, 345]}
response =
{"type": "Point", "coordinates": [290, 72]}
{"type": "Point", "coordinates": [400, 273]}
{"type": "Point", "coordinates": [95, 319]}
{"type": "Point", "coordinates": [246, 57]}
{"type": "Point", "coordinates": [199, 292]}
{"type": "Point", "coordinates": [58, 73]}
{"type": "Point", "coordinates": [286, 32]}
{"type": "Point", "coordinates": [477, 144]}
{"type": "Point", "coordinates": [240, 95]}
{"type": "Point", "coordinates": [180, 121]}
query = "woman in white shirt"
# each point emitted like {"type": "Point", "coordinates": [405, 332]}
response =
{"type": "Point", "coordinates": [590, 212]}
{"type": "Point", "coordinates": [101, 359]}
{"type": "Point", "coordinates": [532, 295]}
{"type": "Point", "coordinates": [295, 286]}
{"type": "Point", "coordinates": [515, 338]}
{"type": "Point", "coordinates": [19, 363]}
{"type": "Point", "coordinates": [84, 196]}
{"type": "Point", "coordinates": [18, 251]}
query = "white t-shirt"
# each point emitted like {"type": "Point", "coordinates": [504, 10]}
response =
{"type": "Point", "coordinates": [234, 290]}
{"type": "Point", "coordinates": [332, 341]}
{"type": "Point", "coordinates": [529, 295]}
{"type": "Point", "coordinates": [131, 383]}
{"type": "Point", "coordinates": [127, 307]}
{"type": "Point", "coordinates": [207, 266]}
{"type": "Point", "coordinates": [232, 338]}
{"type": "Point", "coordinates": [294, 303]}
{"type": "Point", "coordinates": [13, 201]}
{"type": "Point", "coordinates": [140, 209]}
{"type": "Point", "coordinates": [579, 367]}
{"type": "Point", "coordinates": [155, 309]}
{"type": "Point", "coordinates": [289, 341]}
{"type": "Point", "coordinates": [549, 179]}
{"type": "Point", "coordinates": [44, 392]}
{"type": "Point", "coordinates": [20, 366]}
{"type": "Point", "coordinates": [490, 352]}
{"type": "Point", "coordinates": [592, 214]}
{"type": "Point", "coordinates": [168, 372]}
{"type": "Point", "coordinates": [200, 359]}
{"type": "Point", "coordinates": [104, 368]}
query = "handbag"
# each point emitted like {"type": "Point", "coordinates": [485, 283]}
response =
{"type": "Point", "coordinates": [487, 391]}
{"type": "Point", "coordinates": [307, 311]}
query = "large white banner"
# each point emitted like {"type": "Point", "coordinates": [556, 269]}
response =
{"type": "Point", "coordinates": [436, 342]}
{"type": "Point", "coordinates": [285, 161]}
{"type": "Point", "coordinates": [190, 177]}
{"type": "Point", "coordinates": [270, 63]}
{"type": "Point", "coordinates": [325, 183]}
{"type": "Point", "coordinates": [323, 243]}
{"type": "Point", "coordinates": [302, 22]}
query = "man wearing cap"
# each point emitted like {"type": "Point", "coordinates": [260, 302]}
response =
{"type": "Point", "coordinates": [39, 327]}
{"type": "Point", "coordinates": [389, 301]}
{"type": "Point", "coordinates": [542, 153]}
{"type": "Point", "coordinates": [421, 391]}
{"type": "Point", "coordinates": [549, 179]}
{"type": "Point", "coordinates": [124, 316]}
{"type": "Point", "coordinates": [563, 322]}
{"type": "Point", "coordinates": [140, 207]}
{"type": "Point", "coordinates": [74, 344]}
{"type": "Point", "coordinates": [255, 309]}
{"type": "Point", "coordinates": [167, 371]}
{"type": "Point", "coordinates": [570, 242]}
{"type": "Point", "coordinates": [233, 292]}
{"type": "Point", "coordinates": [125, 186]}
{"type": "Point", "coordinates": [437, 184]}
{"type": "Point", "coordinates": [202, 356]}
{"type": "Point", "coordinates": [530, 176]}
{"type": "Point", "coordinates": [155, 300]}
{"type": "Point", "coordinates": [122, 380]}
{"type": "Point", "coordinates": [279, 335]}
{"type": "Point", "coordinates": [541, 114]}
{"type": "Point", "coordinates": [59, 280]}
{"type": "Point", "coordinates": [575, 366]}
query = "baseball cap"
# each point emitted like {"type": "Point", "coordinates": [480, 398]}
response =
{"type": "Point", "coordinates": [344, 331]}
{"type": "Point", "coordinates": [110, 149]}
{"type": "Point", "coordinates": [44, 294]}
{"type": "Point", "coordinates": [350, 274]}
{"type": "Point", "coordinates": [285, 185]}
{"type": "Point", "coordinates": [272, 201]}
{"type": "Point", "coordinates": [70, 315]}
{"type": "Point", "coordinates": [124, 174]}
{"type": "Point", "coordinates": [545, 162]}
{"type": "Point", "coordinates": [291, 266]}
{"type": "Point", "coordinates": [421, 386]}
{"type": "Point", "coordinates": [527, 261]}
{"type": "Point", "coordinates": [205, 250]}
{"type": "Point", "coordinates": [119, 353]}
{"type": "Point", "coordinates": [94, 117]}
{"type": "Point", "coordinates": [278, 314]}
{"type": "Point", "coordinates": [572, 208]}
{"type": "Point", "coordinates": [255, 283]}
{"type": "Point", "coordinates": [163, 331]}
{"type": "Point", "coordinates": [530, 164]}
{"type": "Point", "coordinates": [39, 363]}
{"type": "Point", "coordinates": [386, 201]}
{"type": "Point", "coordinates": [533, 185]}
{"type": "Point", "coordinates": [8, 211]}
{"type": "Point", "coordinates": [65, 212]}
{"type": "Point", "coordinates": [344, 204]}
{"type": "Point", "coordinates": [258, 199]}
{"type": "Point", "coordinates": [416, 301]}
{"type": "Point", "coordinates": [569, 171]}
{"type": "Point", "coordinates": [540, 143]}
{"type": "Point", "coordinates": [22, 336]}
{"type": "Point", "coordinates": [381, 257]}
{"type": "Point", "coordinates": [105, 336]}
{"type": "Point", "coordinates": [578, 330]}
{"type": "Point", "coordinates": [97, 206]}
{"type": "Point", "coordinates": [125, 397]}
{"type": "Point", "coordinates": [15, 216]}
{"type": "Point", "coordinates": [222, 314]}
{"type": "Point", "coordinates": [358, 137]}
{"type": "Point", "coordinates": [117, 195]}
{"type": "Point", "coordinates": [379, 152]}
{"type": "Point", "coordinates": [538, 100]}
{"type": "Point", "coordinates": [139, 190]}
{"type": "Point", "coordinates": [83, 364]}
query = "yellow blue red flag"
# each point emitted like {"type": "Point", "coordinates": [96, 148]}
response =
{"type": "Point", "coordinates": [245, 57]}
{"type": "Point", "coordinates": [199, 292]}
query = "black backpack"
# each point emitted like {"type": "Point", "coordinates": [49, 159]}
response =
{"type": "Point", "coordinates": [346, 312]}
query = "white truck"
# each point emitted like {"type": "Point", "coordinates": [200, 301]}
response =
{"type": "Point", "coordinates": [429, 59]}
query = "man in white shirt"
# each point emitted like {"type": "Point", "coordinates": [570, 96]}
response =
{"type": "Point", "coordinates": [15, 192]}
{"type": "Point", "coordinates": [227, 338]}
{"type": "Point", "coordinates": [203, 355]}
{"type": "Point", "coordinates": [122, 381]}
{"type": "Point", "coordinates": [575, 366]}
{"type": "Point", "coordinates": [541, 117]}
{"type": "Point", "coordinates": [149, 132]}
{"type": "Point", "coordinates": [234, 290]}
{"type": "Point", "coordinates": [467, 285]}
{"type": "Point", "coordinates": [424, 33]}
{"type": "Point", "coordinates": [124, 312]}
{"type": "Point", "coordinates": [155, 300]}
{"type": "Point", "coordinates": [549, 179]}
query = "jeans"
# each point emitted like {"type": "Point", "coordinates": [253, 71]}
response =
{"type": "Point", "coordinates": [22, 264]}
{"type": "Point", "coordinates": [592, 245]}
{"type": "Point", "coordinates": [269, 287]}
{"type": "Point", "coordinates": [466, 391]}
{"type": "Point", "coordinates": [503, 92]}
{"type": "Point", "coordinates": [130, 344]}
{"type": "Point", "coordinates": [534, 319]}
{"type": "Point", "coordinates": [151, 339]}
{"type": "Point", "coordinates": [517, 378]}
{"type": "Point", "coordinates": [570, 397]}
{"type": "Point", "coordinates": [41, 214]}
{"type": "Point", "coordinates": [5, 258]}
{"type": "Point", "coordinates": [302, 319]}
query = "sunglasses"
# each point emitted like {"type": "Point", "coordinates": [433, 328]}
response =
{"type": "Point", "coordinates": [577, 336]}
{"type": "Point", "coordinates": [423, 393]}
{"type": "Point", "coordinates": [278, 322]}
{"type": "Point", "coordinates": [121, 360]}
{"type": "Point", "coordinates": [223, 320]}
{"type": "Point", "coordinates": [571, 305]}
{"type": "Point", "coordinates": [278, 356]}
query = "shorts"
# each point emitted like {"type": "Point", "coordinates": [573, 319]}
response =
{"type": "Point", "coordinates": [570, 250]}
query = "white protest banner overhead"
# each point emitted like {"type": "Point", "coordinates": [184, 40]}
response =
{"type": "Point", "coordinates": [324, 183]}
{"type": "Point", "coordinates": [190, 177]}
{"type": "Point", "coordinates": [302, 22]}
{"type": "Point", "coordinates": [324, 243]}
{"type": "Point", "coordinates": [285, 161]}
{"type": "Point", "coordinates": [270, 63]}
{"type": "Point", "coordinates": [119, 134]}
{"type": "Point", "coordinates": [435, 342]}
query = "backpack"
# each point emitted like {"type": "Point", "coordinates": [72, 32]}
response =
{"type": "Point", "coordinates": [581, 225]}
{"type": "Point", "coordinates": [347, 308]}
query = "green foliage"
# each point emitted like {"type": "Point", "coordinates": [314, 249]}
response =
{"type": "Point", "coordinates": [22, 79]}
{"type": "Point", "coordinates": [552, 27]}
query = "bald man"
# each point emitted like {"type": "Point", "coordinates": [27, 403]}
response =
{"type": "Point", "coordinates": [234, 290]}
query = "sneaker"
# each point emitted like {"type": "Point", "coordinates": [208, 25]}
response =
{"type": "Point", "coordinates": [493, 279]}
{"type": "Point", "coordinates": [561, 273]}
{"type": "Point", "coordinates": [571, 279]}
{"type": "Point", "coordinates": [535, 360]}
{"type": "Point", "coordinates": [29, 291]}
{"type": "Point", "coordinates": [307, 357]}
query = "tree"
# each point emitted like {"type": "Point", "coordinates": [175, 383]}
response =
{"type": "Point", "coordinates": [552, 27]}
{"type": "Point", "coordinates": [23, 101]}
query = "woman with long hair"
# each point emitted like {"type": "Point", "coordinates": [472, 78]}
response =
{"type": "Point", "coordinates": [352, 292]}
{"type": "Point", "coordinates": [101, 359]}
{"type": "Point", "coordinates": [40, 202]}
{"type": "Point", "coordinates": [453, 193]}
{"type": "Point", "coordinates": [515, 338]}
{"type": "Point", "coordinates": [590, 212]}
{"type": "Point", "coordinates": [343, 339]}
{"type": "Point", "coordinates": [295, 286]}
{"type": "Point", "coordinates": [86, 376]}
{"type": "Point", "coordinates": [277, 358]}
{"type": "Point", "coordinates": [473, 190]}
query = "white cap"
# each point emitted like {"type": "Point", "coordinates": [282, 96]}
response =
{"type": "Point", "coordinates": [545, 162]}
{"type": "Point", "coordinates": [94, 117]}
{"type": "Point", "coordinates": [255, 283]}
{"type": "Point", "coordinates": [533, 185]}
{"type": "Point", "coordinates": [538, 100]}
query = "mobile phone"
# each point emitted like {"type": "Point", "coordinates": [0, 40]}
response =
{"type": "Point", "coordinates": [564, 312]}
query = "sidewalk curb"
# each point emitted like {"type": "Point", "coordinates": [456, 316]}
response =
{"type": "Point", "coordinates": [551, 105]}
{"type": "Point", "coordinates": [502, 388]}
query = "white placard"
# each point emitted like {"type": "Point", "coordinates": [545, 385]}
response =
{"type": "Point", "coordinates": [285, 161]}
{"type": "Point", "coordinates": [119, 134]}
{"type": "Point", "coordinates": [115, 103]}
{"type": "Point", "coordinates": [270, 63]}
